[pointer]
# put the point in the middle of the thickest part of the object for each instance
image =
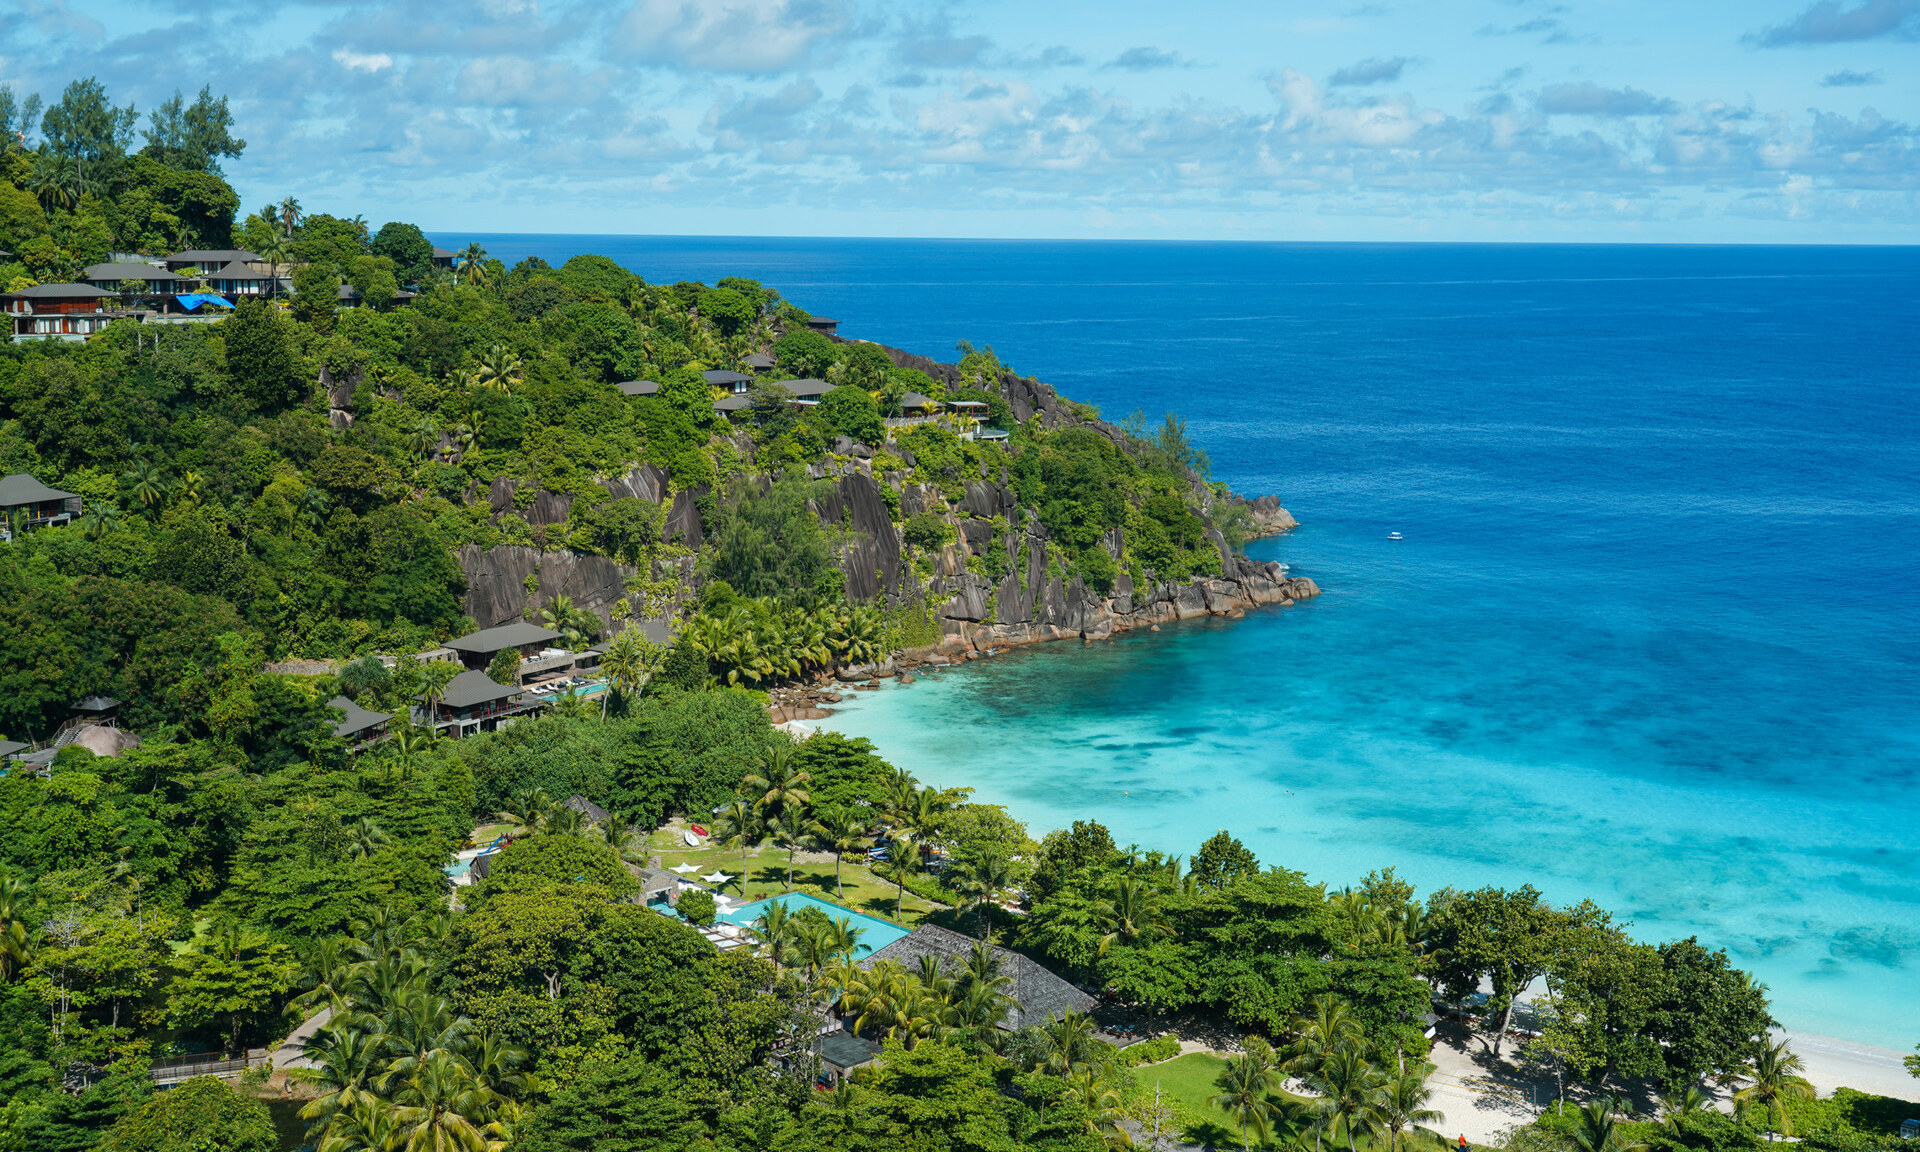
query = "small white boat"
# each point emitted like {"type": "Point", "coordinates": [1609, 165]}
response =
{"type": "Point", "coordinates": [1393, 535]}
{"type": "Point", "coordinates": [692, 840]}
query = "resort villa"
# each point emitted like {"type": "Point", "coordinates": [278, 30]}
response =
{"type": "Point", "coordinates": [26, 503]}
{"type": "Point", "coordinates": [473, 703]}
{"type": "Point", "coordinates": [534, 643]}
{"type": "Point", "coordinates": [360, 728]}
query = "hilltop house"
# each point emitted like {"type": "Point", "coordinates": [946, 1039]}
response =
{"type": "Point", "coordinates": [1038, 994]}
{"type": "Point", "coordinates": [638, 387]}
{"type": "Point", "coordinates": [477, 649]}
{"type": "Point", "coordinates": [157, 281]}
{"type": "Point", "coordinates": [760, 362]}
{"type": "Point", "coordinates": [360, 727]}
{"type": "Point", "coordinates": [205, 260]}
{"type": "Point", "coordinates": [734, 382]}
{"type": "Point", "coordinates": [473, 703]}
{"type": "Point", "coordinates": [60, 311]}
{"type": "Point", "coordinates": [443, 258]}
{"type": "Point", "coordinates": [823, 325]}
{"type": "Point", "coordinates": [41, 506]}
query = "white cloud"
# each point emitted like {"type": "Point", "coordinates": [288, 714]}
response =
{"type": "Point", "coordinates": [363, 61]}
{"type": "Point", "coordinates": [741, 36]}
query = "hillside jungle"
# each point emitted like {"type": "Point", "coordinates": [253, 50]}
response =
{"type": "Point", "coordinates": [242, 871]}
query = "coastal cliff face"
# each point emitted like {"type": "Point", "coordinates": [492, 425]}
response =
{"type": "Point", "coordinates": [1033, 601]}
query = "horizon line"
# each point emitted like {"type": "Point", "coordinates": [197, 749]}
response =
{"type": "Point", "coordinates": [1195, 240]}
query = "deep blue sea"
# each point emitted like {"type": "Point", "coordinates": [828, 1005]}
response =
{"type": "Point", "coordinates": [1650, 637]}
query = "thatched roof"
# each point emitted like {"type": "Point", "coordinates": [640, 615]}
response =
{"type": "Point", "coordinates": [1038, 994]}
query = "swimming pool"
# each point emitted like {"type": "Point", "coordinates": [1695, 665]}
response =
{"type": "Point", "coordinates": [875, 933]}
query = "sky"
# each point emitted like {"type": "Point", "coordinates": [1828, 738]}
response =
{"type": "Point", "coordinates": [1764, 121]}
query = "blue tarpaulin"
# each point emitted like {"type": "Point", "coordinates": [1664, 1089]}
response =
{"type": "Point", "coordinates": [192, 300]}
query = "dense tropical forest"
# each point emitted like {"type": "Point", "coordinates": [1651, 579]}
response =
{"type": "Point", "coordinates": [295, 480]}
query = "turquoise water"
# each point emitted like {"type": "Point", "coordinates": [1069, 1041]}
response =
{"type": "Point", "coordinates": [875, 933]}
{"type": "Point", "coordinates": [1650, 637]}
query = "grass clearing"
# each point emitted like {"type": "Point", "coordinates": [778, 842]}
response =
{"type": "Point", "coordinates": [766, 875]}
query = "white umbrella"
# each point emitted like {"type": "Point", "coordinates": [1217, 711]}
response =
{"type": "Point", "coordinates": [716, 877]}
{"type": "Point", "coordinates": [685, 869]}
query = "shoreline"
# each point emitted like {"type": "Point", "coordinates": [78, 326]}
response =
{"type": "Point", "coordinates": [1832, 1061]}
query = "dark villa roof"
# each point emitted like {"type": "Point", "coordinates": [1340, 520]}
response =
{"type": "Point", "coordinates": [1038, 993]}
{"type": "Point", "coordinates": [820, 322]}
{"type": "Point", "coordinates": [804, 389]}
{"type": "Point", "coordinates": [732, 403]}
{"type": "Point", "coordinates": [586, 808]}
{"type": "Point", "coordinates": [95, 704]}
{"type": "Point", "coordinates": [844, 1050]}
{"type": "Point", "coordinates": [358, 718]}
{"type": "Point", "coordinates": [505, 636]}
{"type": "Point", "coordinates": [725, 376]}
{"type": "Point", "coordinates": [21, 488]}
{"type": "Point", "coordinates": [62, 291]}
{"type": "Point", "coordinates": [471, 687]}
{"type": "Point", "coordinates": [481, 865]}
{"type": "Point", "coordinates": [638, 387]}
{"type": "Point", "coordinates": [916, 400]}
{"type": "Point", "coordinates": [760, 361]}
{"type": "Point", "coordinates": [443, 254]}
{"type": "Point", "coordinates": [128, 272]}
{"type": "Point", "coordinates": [9, 747]}
{"type": "Point", "coordinates": [236, 271]}
{"type": "Point", "coordinates": [211, 256]}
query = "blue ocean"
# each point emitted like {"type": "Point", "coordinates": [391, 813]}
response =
{"type": "Point", "coordinates": [1649, 637]}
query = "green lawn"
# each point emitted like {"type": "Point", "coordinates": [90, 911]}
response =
{"type": "Point", "coordinates": [1187, 1083]}
{"type": "Point", "coordinates": [767, 875]}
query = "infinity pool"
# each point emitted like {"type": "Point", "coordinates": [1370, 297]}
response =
{"type": "Point", "coordinates": [875, 933]}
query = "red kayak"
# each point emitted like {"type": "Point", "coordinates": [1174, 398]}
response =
{"type": "Point", "coordinates": [699, 831]}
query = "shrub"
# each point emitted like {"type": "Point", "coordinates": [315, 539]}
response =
{"type": "Point", "coordinates": [698, 906]}
{"type": "Point", "coordinates": [928, 530]}
{"type": "Point", "coordinates": [1162, 1047]}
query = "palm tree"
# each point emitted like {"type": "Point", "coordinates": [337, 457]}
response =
{"type": "Point", "coordinates": [326, 979]}
{"type": "Point", "coordinates": [360, 228]}
{"type": "Point", "coordinates": [277, 252]}
{"type": "Point", "coordinates": [624, 835]}
{"type": "Point", "coordinates": [1330, 1026]}
{"type": "Point", "coordinates": [1597, 1127]}
{"type": "Point", "coordinates": [439, 674]}
{"type": "Point", "coordinates": [1776, 1075]}
{"type": "Point", "coordinates": [366, 1127]}
{"type": "Point", "coordinates": [1245, 1084]}
{"type": "Point", "coordinates": [53, 179]}
{"type": "Point", "coordinates": [738, 824]}
{"type": "Point", "coordinates": [562, 820]}
{"type": "Point", "coordinates": [1130, 913]}
{"type": "Point", "coordinates": [1402, 1104]}
{"type": "Point", "coordinates": [423, 437]}
{"type": "Point", "coordinates": [344, 1062]}
{"type": "Point", "coordinates": [15, 953]}
{"type": "Point", "coordinates": [188, 490]}
{"type": "Point", "coordinates": [1688, 1101]}
{"type": "Point", "coordinates": [440, 1107]}
{"type": "Point", "coordinates": [777, 929]}
{"type": "Point", "coordinates": [1102, 1104]}
{"type": "Point", "coordinates": [904, 861]}
{"type": "Point", "coordinates": [99, 520]}
{"type": "Point", "coordinates": [1069, 1043]}
{"type": "Point", "coordinates": [1352, 1086]}
{"type": "Point", "coordinates": [364, 838]}
{"type": "Point", "coordinates": [500, 369]}
{"type": "Point", "coordinates": [982, 880]}
{"type": "Point", "coordinates": [473, 264]}
{"type": "Point", "coordinates": [778, 786]}
{"type": "Point", "coordinates": [627, 664]}
{"type": "Point", "coordinates": [842, 831]}
{"type": "Point", "coordinates": [289, 210]}
{"type": "Point", "coordinates": [528, 807]}
{"type": "Point", "coordinates": [149, 484]}
{"type": "Point", "coordinates": [792, 831]}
